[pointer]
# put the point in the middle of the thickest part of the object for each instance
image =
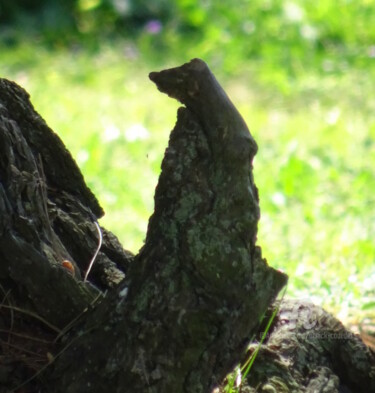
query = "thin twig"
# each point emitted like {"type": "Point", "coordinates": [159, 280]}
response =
{"type": "Point", "coordinates": [48, 364]}
{"type": "Point", "coordinates": [6, 294]}
{"type": "Point", "coordinates": [96, 252]}
{"type": "Point", "coordinates": [35, 316]}
{"type": "Point", "coordinates": [26, 337]}
{"type": "Point", "coordinates": [22, 350]}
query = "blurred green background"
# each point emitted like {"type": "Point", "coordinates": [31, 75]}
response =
{"type": "Point", "coordinates": [302, 73]}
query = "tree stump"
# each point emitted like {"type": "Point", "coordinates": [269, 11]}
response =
{"type": "Point", "coordinates": [178, 316]}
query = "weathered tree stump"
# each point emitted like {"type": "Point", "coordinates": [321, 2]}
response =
{"type": "Point", "coordinates": [198, 288]}
{"type": "Point", "coordinates": [307, 350]}
{"type": "Point", "coordinates": [191, 299]}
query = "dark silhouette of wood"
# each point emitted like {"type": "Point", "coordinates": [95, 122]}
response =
{"type": "Point", "coordinates": [198, 288]}
{"type": "Point", "coordinates": [192, 298]}
{"type": "Point", "coordinates": [46, 217]}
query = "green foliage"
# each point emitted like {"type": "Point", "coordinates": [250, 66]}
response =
{"type": "Point", "coordinates": [284, 37]}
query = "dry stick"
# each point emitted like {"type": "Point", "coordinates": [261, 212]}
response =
{"type": "Point", "coordinates": [48, 364]}
{"type": "Point", "coordinates": [22, 350]}
{"type": "Point", "coordinates": [31, 314]}
{"type": "Point", "coordinates": [26, 337]}
{"type": "Point", "coordinates": [60, 332]}
{"type": "Point", "coordinates": [11, 324]}
{"type": "Point", "coordinates": [96, 252]}
{"type": "Point", "coordinates": [6, 294]}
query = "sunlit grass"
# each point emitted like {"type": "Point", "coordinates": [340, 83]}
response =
{"type": "Point", "coordinates": [314, 169]}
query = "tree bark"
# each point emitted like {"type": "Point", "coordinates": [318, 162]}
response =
{"type": "Point", "coordinates": [198, 288]}
{"type": "Point", "coordinates": [307, 350]}
{"type": "Point", "coordinates": [192, 298]}
{"type": "Point", "coordinates": [47, 237]}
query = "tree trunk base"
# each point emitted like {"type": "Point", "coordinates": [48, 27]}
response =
{"type": "Point", "coordinates": [178, 316]}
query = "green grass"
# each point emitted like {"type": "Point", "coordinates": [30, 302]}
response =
{"type": "Point", "coordinates": [314, 170]}
{"type": "Point", "coordinates": [242, 371]}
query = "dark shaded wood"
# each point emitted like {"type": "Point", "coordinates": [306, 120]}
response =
{"type": "Point", "coordinates": [197, 290]}
{"type": "Point", "coordinates": [192, 298]}
{"type": "Point", "coordinates": [60, 170]}
{"type": "Point", "coordinates": [46, 217]}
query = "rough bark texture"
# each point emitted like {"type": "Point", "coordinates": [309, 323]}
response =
{"type": "Point", "coordinates": [197, 290]}
{"type": "Point", "coordinates": [47, 215]}
{"type": "Point", "coordinates": [194, 295]}
{"type": "Point", "coordinates": [46, 218]}
{"type": "Point", "coordinates": [307, 350]}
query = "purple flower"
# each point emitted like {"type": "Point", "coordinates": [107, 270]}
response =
{"type": "Point", "coordinates": [153, 26]}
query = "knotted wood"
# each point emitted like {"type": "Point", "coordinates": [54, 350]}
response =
{"type": "Point", "coordinates": [194, 295]}
{"type": "Point", "coordinates": [192, 298]}
{"type": "Point", "coordinates": [198, 288]}
{"type": "Point", "coordinates": [46, 225]}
